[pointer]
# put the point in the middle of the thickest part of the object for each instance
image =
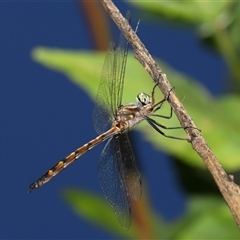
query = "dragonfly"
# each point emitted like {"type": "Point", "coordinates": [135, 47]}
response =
{"type": "Point", "coordinates": [118, 174]}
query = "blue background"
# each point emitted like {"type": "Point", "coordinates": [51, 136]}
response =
{"type": "Point", "coordinates": [44, 117]}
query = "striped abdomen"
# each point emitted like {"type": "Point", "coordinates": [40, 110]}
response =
{"type": "Point", "coordinates": [71, 158]}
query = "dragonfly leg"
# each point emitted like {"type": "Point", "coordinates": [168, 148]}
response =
{"type": "Point", "coordinates": [156, 126]}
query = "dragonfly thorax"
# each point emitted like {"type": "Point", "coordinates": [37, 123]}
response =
{"type": "Point", "coordinates": [143, 99]}
{"type": "Point", "coordinates": [131, 114]}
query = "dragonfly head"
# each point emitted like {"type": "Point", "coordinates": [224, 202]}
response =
{"type": "Point", "coordinates": [143, 99]}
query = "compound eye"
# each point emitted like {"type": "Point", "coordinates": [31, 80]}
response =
{"type": "Point", "coordinates": [143, 98]}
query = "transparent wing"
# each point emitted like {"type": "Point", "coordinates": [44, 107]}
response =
{"type": "Point", "coordinates": [113, 183]}
{"type": "Point", "coordinates": [102, 115]}
{"type": "Point", "coordinates": [109, 95]}
{"type": "Point", "coordinates": [130, 172]}
{"type": "Point", "coordinates": [121, 61]}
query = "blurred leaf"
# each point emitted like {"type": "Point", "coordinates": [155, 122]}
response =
{"type": "Point", "coordinates": [217, 118]}
{"type": "Point", "coordinates": [191, 12]}
{"type": "Point", "coordinates": [234, 29]}
{"type": "Point", "coordinates": [206, 218]}
{"type": "Point", "coordinates": [95, 209]}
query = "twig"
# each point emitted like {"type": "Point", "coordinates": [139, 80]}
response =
{"type": "Point", "coordinates": [225, 183]}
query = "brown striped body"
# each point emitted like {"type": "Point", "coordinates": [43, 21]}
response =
{"type": "Point", "coordinates": [72, 157]}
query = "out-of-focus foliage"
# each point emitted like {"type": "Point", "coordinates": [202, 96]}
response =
{"type": "Point", "coordinates": [185, 12]}
{"type": "Point", "coordinates": [206, 218]}
{"type": "Point", "coordinates": [217, 23]}
{"type": "Point", "coordinates": [96, 210]}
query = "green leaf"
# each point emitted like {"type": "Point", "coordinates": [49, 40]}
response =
{"type": "Point", "coordinates": [81, 67]}
{"type": "Point", "coordinates": [234, 31]}
{"type": "Point", "coordinates": [192, 12]}
{"type": "Point", "coordinates": [217, 118]}
{"type": "Point", "coordinates": [95, 209]}
{"type": "Point", "coordinates": [206, 218]}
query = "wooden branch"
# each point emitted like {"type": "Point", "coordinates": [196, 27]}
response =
{"type": "Point", "coordinates": [225, 183]}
